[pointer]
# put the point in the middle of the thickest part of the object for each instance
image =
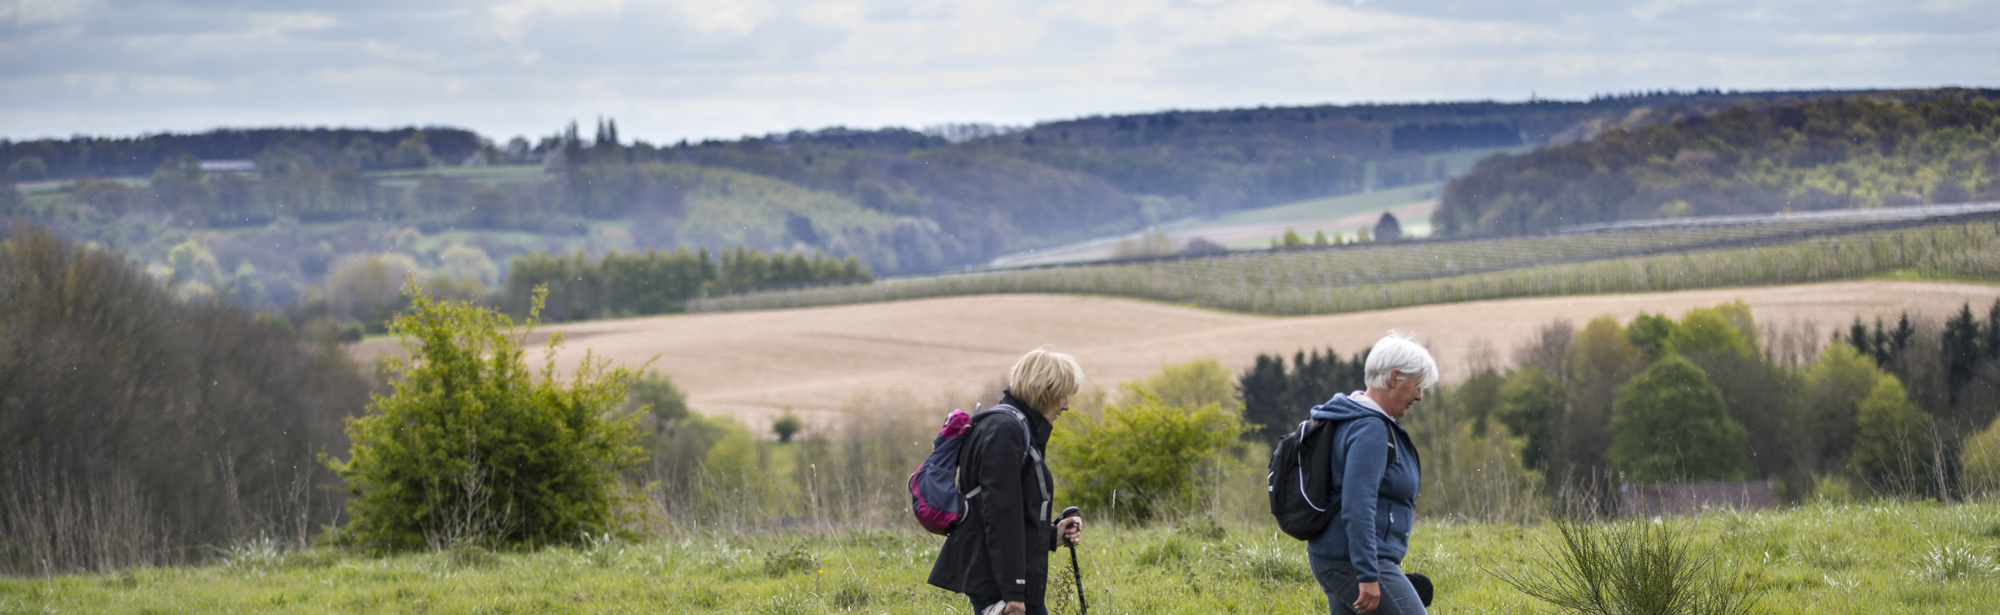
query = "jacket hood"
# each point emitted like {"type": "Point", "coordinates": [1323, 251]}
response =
{"type": "Point", "coordinates": [1342, 408]}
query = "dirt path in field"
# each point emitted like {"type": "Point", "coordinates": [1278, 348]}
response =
{"type": "Point", "coordinates": [754, 364]}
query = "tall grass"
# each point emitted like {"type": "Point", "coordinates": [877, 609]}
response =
{"type": "Point", "coordinates": [1821, 559]}
{"type": "Point", "coordinates": [1369, 277]}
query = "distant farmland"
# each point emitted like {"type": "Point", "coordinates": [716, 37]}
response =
{"type": "Point", "coordinates": [1958, 242]}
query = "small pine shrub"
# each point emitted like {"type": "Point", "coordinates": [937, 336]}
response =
{"type": "Point", "coordinates": [1621, 569]}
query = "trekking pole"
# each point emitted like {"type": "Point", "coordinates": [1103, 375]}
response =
{"type": "Point", "coordinates": [1083, 607]}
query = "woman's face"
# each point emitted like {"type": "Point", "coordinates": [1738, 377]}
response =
{"type": "Point", "coordinates": [1402, 392]}
{"type": "Point", "coordinates": [1056, 409]}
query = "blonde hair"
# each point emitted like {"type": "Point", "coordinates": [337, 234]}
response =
{"type": "Point", "coordinates": [1043, 378]}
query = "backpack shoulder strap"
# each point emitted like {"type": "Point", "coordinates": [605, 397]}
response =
{"type": "Point", "coordinates": [1030, 455]}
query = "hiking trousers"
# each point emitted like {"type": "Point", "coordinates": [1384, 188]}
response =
{"type": "Point", "coordinates": [1336, 578]}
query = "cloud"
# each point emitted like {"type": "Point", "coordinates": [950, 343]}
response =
{"type": "Point", "coordinates": [30, 12]}
{"type": "Point", "coordinates": [720, 68]}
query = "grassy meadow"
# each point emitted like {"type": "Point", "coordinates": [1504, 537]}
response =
{"type": "Point", "coordinates": [1824, 559]}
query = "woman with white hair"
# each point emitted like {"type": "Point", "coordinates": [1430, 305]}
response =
{"type": "Point", "coordinates": [1358, 559]}
{"type": "Point", "coordinates": [998, 555]}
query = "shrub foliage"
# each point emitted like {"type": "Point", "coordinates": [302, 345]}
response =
{"type": "Point", "coordinates": [1143, 451]}
{"type": "Point", "coordinates": [469, 447]}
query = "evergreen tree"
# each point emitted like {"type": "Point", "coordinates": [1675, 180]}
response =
{"type": "Point", "coordinates": [1989, 341]}
{"type": "Point", "coordinates": [1961, 350]}
{"type": "Point", "coordinates": [1387, 228]}
{"type": "Point", "coordinates": [1262, 388]}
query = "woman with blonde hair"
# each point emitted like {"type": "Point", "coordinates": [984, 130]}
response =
{"type": "Point", "coordinates": [998, 555]}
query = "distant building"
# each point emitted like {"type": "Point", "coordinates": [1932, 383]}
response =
{"type": "Point", "coordinates": [222, 166]}
{"type": "Point", "coordinates": [1686, 498]}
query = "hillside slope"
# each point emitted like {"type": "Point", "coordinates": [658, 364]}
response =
{"type": "Point", "coordinates": [755, 364]}
{"type": "Point", "coordinates": [1940, 146]}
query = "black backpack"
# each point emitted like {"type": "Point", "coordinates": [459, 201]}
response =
{"type": "Point", "coordinates": [1301, 479]}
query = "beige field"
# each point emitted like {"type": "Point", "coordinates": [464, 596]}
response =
{"type": "Point", "coordinates": [752, 365]}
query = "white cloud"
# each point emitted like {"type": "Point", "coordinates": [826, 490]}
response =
{"type": "Point", "coordinates": [739, 16]}
{"type": "Point", "coordinates": [30, 12]}
{"type": "Point", "coordinates": [698, 68]}
{"type": "Point", "coordinates": [279, 23]}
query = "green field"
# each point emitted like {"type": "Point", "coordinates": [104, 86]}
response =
{"type": "Point", "coordinates": [1388, 275]}
{"type": "Point", "coordinates": [1319, 209]}
{"type": "Point", "coordinates": [1819, 559]}
{"type": "Point", "coordinates": [487, 175]}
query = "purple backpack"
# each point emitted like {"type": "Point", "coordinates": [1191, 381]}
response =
{"type": "Point", "coordinates": [934, 494]}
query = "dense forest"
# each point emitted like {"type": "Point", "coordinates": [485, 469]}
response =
{"type": "Point", "coordinates": [1832, 152]}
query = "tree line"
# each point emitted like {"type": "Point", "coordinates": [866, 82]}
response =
{"type": "Point", "coordinates": [1711, 396]}
{"type": "Point", "coordinates": [657, 282]}
{"type": "Point", "coordinates": [327, 148]}
{"type": "Point", "coordinates": [138, 428]}
{"type": "Point", "coordinates": [1830, 152]}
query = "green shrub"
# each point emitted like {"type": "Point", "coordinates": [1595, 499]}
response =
{"type": "Point", "coordinates": [656, 393]}
{"type": "Point", "coordinates": [1670, 424]}
{"type": "Point", "coordinates": [470, 448]}
{"type": "Point", "coordinates": [1138, 460]}
{"type": "Point", "coordinates": [1632, 568]}
{"type": "Point", "coordinates": [1194, 384]}
{"type": "Point", "coordinates": [1202, 528]}
{"type": "Point", "coordinates": [1981, 462]}
{"type": "Point", "coordinates": [1270, 564]}
{"type": "Point", "coordinates": [851, 595]}
{"type": "Point", "coordinates": [1170, 551]}
{"type": "Point", "coordinates": [786, 426]}
{"type": "Point", "coordinates": [790, 560]}
{"type": "Point", "coordinates": [1889, 441]}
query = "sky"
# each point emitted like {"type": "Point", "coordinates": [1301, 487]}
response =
{"type": "Point", "coordinates": [695, 69]}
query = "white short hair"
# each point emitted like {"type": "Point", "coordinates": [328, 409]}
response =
{"type": "Point", "coordinates": [1398, 353]}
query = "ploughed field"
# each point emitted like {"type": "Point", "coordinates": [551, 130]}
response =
{"type": "Point", "coordinates": [754, 364]}
{"type": "Point", "coordinates": [1819, 559]}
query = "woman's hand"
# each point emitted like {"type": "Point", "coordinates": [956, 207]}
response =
{"type": "Point", "coordinates": [1015, 608]}
{"type": "Point", "coordinates": [1371, 596]}
{"type": "Point", "coordinates": [1070, 530]}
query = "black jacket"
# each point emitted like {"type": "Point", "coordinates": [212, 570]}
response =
{"type": "Point", "coordinates": [1002, 546]}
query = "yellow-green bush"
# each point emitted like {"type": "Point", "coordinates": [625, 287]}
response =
{"type": "Point", "coordinates": [1138, 459]}
{"type": "Point", "coordinates": [1980, 461]}
{"type": "Point", "coordinates": [470, 448]}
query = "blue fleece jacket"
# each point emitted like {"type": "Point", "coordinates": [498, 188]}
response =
{"type": "Point", "coordinates": [1378, 490]}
